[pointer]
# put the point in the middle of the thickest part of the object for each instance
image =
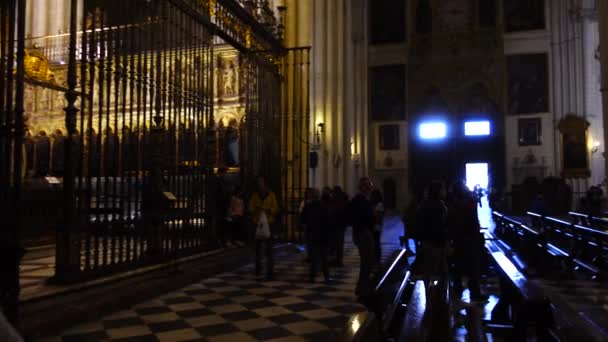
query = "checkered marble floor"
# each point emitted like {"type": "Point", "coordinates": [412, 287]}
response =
{"type": "Point", "coordinates": [238, 306]}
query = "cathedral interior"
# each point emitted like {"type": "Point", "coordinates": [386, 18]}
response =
{"type": "Point", "coordinates": [119, 118]}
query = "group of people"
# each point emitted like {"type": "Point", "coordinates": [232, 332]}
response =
{"type": "Point", "coordinates": [326, 214]}
{"type": "Point", "coordinates": [447, 234]}
{"type": "Point", "coordinates": [443, 224]}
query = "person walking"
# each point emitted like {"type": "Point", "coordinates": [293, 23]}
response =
{"type": "Point", "coordinates": [362, 216]}
{"type": "Point", "coordinates": [467, 241]}
{"type": "Point", "coordinates": [235, 217]}
{"type": "Point", "coordinates": [378, 207]}
{"type": "Point", "coordinates": [409, 223]}
{"type": "Point", "coordinates": [432, 233]}
{"type": "Point", "coordinates": [263, 208]}
{"type": "Point", "coordinates": [315, 219]}
{"type": "Point", "coordinates": [220, 207]}
{"type": "Point", "coordinates": [339, 221]}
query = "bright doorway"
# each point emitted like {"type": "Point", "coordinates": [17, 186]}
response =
{"type": "Point", "coordinates": [477, 174]}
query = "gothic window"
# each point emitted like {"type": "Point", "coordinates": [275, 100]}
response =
{"type": "Point", "coordinates": [387, 92]}
{"type": "Point", "coordinates": [387, 21]}
{"type": "Point", "coordinates": [524, 15]}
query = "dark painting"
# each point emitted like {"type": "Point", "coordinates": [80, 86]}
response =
{"type": "Point", "coordinates": [524, 15]}
{"type": "Point", "coordinates": [387, 84]}
{"type": "Point", "coordinates": [389, 137]}
{"type": "Point", "coordinates": [487, 13]}
{"type": "Point", "coordinates": [387, 21]}
{"type": "Point", "coordinates": [528, 79]}
{"type": "Point", "coordinates": [529, 131]}
{"type": "Point", "coordinates": [575, 151]}
{"type": "Point", "coordinates": [424, 17]}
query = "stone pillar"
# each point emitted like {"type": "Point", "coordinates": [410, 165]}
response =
{"type": "Point", "coordinates": [603, 27]}
{"type": "Point", "coordinates": [566, 79]}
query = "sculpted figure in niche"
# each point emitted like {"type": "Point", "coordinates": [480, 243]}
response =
{"type": "Point", "coordinates": [229, 79]}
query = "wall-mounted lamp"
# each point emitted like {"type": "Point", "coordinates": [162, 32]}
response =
{"type": "Point", "coordinates": [317, 139]}
{"type": "Point", "coordinates": [595, 146]}
{"type": "Point", "coordinates": [354, 156]}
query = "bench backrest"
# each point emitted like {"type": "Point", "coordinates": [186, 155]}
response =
{"type": "Point", "coordinates": [412, 328]}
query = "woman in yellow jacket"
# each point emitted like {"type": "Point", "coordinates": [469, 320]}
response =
{"type": "Point", "coordinates": [263, 201]}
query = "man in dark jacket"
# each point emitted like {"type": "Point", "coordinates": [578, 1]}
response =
{"type": "Point", "coordinates": [467, 241]}
{"type": "Point", "coordinates": [315, 217]}
{"type": "Point", "coordinates": [432, 233]}
{"type": "Point", "coordinates": [362, 216]}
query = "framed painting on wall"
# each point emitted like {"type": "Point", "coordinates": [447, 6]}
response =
{"type": "Point", "coordinates": [389, 137]}
{"type": "Point", "coordinates": [387, 92]}
{"type": "Point", "coordinates": [575, 155]}
{"type": "Point", "coordinates": [523, 15]}
{"type": "Point", "coordinates": [528, 84]}
{"type": "Point", "coordinates": [530, 131]}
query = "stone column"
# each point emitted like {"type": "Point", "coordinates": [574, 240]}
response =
{"type": "Point", "coordinates": [603, 27]}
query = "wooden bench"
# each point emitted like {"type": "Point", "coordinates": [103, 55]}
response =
{"type": "Point", "coordinates": [386, 302]}
{"type": "Point", "coordinates": [522, 305]}
{"type": "Point", "coordinates": [585, 248]}
{"type": "Point", "coordinates": [600, 223]}
{"type": "Point", "coordinates": [412, 328]}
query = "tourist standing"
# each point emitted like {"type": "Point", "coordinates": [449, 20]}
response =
{"type": "Point", "coordinates": [467, 241]}
{"type": "Point", "coordinates": [236, 216]}
{"type": "Point", "coordinates": [263, 206]}
{"type": "Point", "coordinates": [315, 219]}
{"type": "Point", "coordinates": [362, 216]}
{"type": "Point", "coordinates": [378, 207]}
{"type": "Point", "coordinates": [432, 233]}
{"type": "Point", "coordinates": [339, 221]}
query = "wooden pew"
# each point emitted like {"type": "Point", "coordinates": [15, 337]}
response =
{"type": "Point", "coordinates": [600, 223]}
{"type": "Point", "coordinates": [522, 305]}
{"type": "Point", "coordinates": [412, 328]}
{"type": "Point", "coordinates": [586, 248]}
{"type": "Point", "coordinates": [573, 324]}
{"type": "Point", "coordinates": [386, 303]}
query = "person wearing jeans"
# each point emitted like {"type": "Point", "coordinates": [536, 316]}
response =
{"type": "Point", "coordinates": [264, 201]}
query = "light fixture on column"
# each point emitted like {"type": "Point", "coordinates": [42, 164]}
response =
{"type": "Point", "coordinates": [317, 138]}
{"type": "Point", "coordinates": [354, 156]}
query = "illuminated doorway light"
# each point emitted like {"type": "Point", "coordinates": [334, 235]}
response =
{"type": "Point", "coordinates": [476, 128]}
{"type": "Point", "coordinates": [432, 130]}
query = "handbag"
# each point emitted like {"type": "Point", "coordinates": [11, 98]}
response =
{"type": "Point", "coordinates": [262, 229]}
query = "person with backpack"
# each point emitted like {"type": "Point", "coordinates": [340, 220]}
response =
{"type": "Point", "coordinates": [263, 208]}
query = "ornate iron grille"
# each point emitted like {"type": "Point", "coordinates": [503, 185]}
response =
{"type": "Point", "coordinates": [295, 123]}
{"type": "Point", "coordinates": [11, 153]}
{"type": "Point", "coordinates": [138, 142]}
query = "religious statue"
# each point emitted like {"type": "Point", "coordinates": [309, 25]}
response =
{"type": "Point", "coordinates": [228, 79]}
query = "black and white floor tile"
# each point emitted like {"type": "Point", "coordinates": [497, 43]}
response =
{"type": "Point", "coordinates": [239, 306]}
